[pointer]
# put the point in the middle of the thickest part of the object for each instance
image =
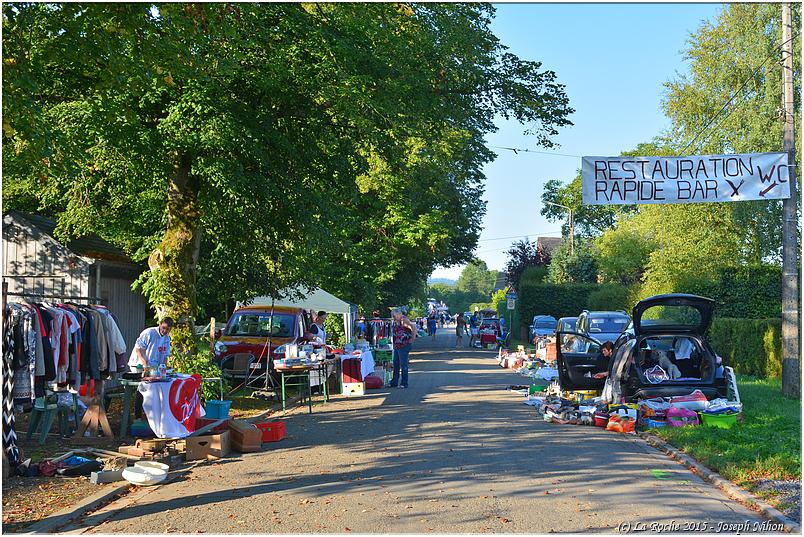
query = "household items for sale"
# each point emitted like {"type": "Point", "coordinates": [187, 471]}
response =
{"type": "Point", "coordinates": [723, 419]}
{"type": "Point", "coordinates": [272, 431]}
{"type": "Point", "coordinates": [217, 410]}
{"type": "Point", "coordinates": [245, 437]}
{"type": "Point", "coordinates": [354, 389]}
{"type": "Point", "coordinates": [621, 424]}
{"type": "Point", "coordinates": [680, 417]}
{"type": "Point", "coordinates": [144, 476]}
{"type": "Point", "coordinates": [373, 382]}
{"type": "Point", "coordinates": [694, 401]}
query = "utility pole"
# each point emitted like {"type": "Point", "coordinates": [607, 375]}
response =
{"type": "Point", "coordinates": [791, 359]}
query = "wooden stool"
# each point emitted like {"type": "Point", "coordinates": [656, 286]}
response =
{"type": "Point", "coordinates": [44, 412]}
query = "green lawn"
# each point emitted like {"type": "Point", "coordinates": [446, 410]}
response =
{"type": "Point", "coordinates": [767, 445]}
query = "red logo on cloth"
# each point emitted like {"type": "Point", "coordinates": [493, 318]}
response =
{"type": "Point", "coordinates": [184, 402]}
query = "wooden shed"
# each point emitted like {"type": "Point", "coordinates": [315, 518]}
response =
{"type": "Point", "coordinates": [35, 263]}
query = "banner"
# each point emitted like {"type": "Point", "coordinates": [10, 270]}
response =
{"type": "Point", "coordinates": [712, 178]}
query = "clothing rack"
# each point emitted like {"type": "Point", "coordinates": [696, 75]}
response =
{"type": "Point", "coordinates": [63, 298]}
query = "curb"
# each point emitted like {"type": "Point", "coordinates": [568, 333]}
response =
{"type": "Point", "coordinates": [731, 490]}
{"type": "Point", "coordinates": [68, 514]}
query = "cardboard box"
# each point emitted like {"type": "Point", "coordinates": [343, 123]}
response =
{"type": "Point", "coordinates": [213, 446]}
{"type": "Point", "coordinates": [245, 436]}
{"type": "Point", "coordinates": [354, 389]}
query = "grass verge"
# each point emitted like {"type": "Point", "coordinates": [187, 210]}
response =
{"type": "Point", "coordinates": [767, 445]}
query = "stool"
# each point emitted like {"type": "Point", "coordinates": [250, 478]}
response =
{"type": "Point", "coordinates": [64, 416]}
{"type": "Point", "coordinates": [44, 412]}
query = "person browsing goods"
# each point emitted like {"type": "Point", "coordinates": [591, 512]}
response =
{"type": "Point", "coordinates": [404, 334]}
{"type": "Point", "coordinates": [152, 347]}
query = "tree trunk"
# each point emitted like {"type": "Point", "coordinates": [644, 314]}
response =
{"type": "Point", "coordinates": [174, 264]}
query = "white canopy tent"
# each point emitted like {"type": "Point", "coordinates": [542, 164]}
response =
{"type": "Point", "coordinates": [316, 300]}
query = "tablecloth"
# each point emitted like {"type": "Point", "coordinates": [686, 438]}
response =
{"type": "Point", "coordinates": [172, 406]}
{"type": "Point", "coordinates": [366, 362]}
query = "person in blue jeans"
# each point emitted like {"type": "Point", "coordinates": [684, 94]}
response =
{"type": "Point", "coordinates": [404, 334]}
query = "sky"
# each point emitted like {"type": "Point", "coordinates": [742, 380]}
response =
{"type": "Point", "coordinates": [614, 60]}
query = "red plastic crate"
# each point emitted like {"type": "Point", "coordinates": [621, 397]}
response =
{"type": "Point", "coordinates": [272, 431]}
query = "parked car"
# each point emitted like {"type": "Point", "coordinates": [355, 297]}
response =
{"type": "Point", "coordinates": [602, 325]}
{"type": "Point", "coordinates": [663, 354]}
{"type": "Point", "coordinates": [248, 331]}
{"type": "Point", "coordinates": [542, 325]}
{"type": "Point", "coordinates": [567, 324]}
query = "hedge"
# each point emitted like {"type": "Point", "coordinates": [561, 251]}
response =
{"type": "Point", "coordinates": [751, 346]}
{"type": "Point", "coordinates": [752, 292]}
{"type": "Point", "coordinates": [558, 300]}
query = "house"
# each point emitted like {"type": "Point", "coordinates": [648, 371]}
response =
{"type": "Point", "coordinates": [548, 244]}
{"type": "Point", "coordinates": [85, 269]}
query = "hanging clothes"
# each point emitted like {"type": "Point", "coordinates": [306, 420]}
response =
{"type": "Point", "coordinates": [9, 434]}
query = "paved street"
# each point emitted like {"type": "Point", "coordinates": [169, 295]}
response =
{"type": "Point", "coordinates": [454, 453]}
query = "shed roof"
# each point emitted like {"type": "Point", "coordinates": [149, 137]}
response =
{"type": "Point", "coordinates": [91, 246]}
{"type": "Point", "coordinates": [548, 243]}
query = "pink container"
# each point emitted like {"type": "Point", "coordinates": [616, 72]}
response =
{"type": "Point", "coordinates": [679, 417]}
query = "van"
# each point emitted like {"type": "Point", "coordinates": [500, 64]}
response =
{"type": "Point", "coordinates": [251, 329]}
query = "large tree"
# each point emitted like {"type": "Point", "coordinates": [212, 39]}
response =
{"type": "Point", "coordinates": [730, 102]}
{"type": "Point", "coordinates": [246, 148]}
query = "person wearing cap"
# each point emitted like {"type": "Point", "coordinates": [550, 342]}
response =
{"type": "Point", "coordinates": [317, 333]}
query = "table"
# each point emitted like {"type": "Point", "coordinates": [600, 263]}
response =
{"type": "Point", "coordinates": [172, 405]}
{"type": "Point", "coordinates": [129, 387]}
{"type": "Point", "coordinates": [302, 375]}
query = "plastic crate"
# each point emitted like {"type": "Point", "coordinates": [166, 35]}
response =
{"type": "Point", "coordinates": [723, 421]}
{"type": "Point", "coordinates": [217, 410]}
{"type": "Point", "coordinates": [272, 431]}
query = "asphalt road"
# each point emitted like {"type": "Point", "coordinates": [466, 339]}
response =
{"type": "Point", "coordinates": [453, 453]}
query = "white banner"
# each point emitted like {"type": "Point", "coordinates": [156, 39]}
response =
{"type": "Point", "coordinates": [636, 180]}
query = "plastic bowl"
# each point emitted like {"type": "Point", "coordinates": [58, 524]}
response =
{"type": "Point", "coordinates": [153, 467]}
{"type": "Point", "coordinates": [143, 476]}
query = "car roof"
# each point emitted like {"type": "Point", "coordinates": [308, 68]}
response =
{"type": "Point", "coordinates": [267, 309]}
{"type": "Point", "coordinates": [567, 319]}
{"type": "Point", "coordinates": [606, 313]}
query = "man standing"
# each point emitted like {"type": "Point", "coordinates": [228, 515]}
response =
{"type": "Point", "coordinates": [152, 347]}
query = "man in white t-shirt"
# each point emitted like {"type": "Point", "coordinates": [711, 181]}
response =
{"type": "Point", "coordinates": [152, 347]}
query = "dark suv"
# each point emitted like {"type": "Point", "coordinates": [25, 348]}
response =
{"type": "Point", "coordinates": [602, 325]}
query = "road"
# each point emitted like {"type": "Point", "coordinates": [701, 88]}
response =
{"type": "Point", "coordinates": [453, 453]}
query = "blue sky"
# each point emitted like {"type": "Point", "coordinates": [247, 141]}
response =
{"type": "Point", "coordinates": [613, 60]}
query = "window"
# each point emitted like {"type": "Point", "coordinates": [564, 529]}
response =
{"type": "Point", "coordinates": [258, 324]}
{"type": "Point", "coordinates": [607, 325]}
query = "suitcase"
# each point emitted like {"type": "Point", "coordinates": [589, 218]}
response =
{"type": "Point", "coordinates": [351, 370]}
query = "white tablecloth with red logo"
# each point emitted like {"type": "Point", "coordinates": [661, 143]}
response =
{"type": "Point", "coordinates": [173, 405]}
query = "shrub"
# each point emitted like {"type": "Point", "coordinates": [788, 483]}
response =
{"type": "Point", "coordinates": [333, 324]}
{"type": "Point", "coordinates": [200, 363]}
{"type": "Point", "coordinates": [610, 297]}
{"type": "Point", "coordinates": [751, 346]}
{"type": "Point", "coordinates": [558, 300]}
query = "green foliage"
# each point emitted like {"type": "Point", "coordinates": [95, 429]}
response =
{"type": "Point", "coordinates": [201, 363]}
{"type": "Point", "coordinates": [247, 148]}
{"type": "Point", "coordinates": [622, 255]}
{"type": "Point", "coordinates": [522, 255]}
{"type": "Point", "coordinates": [481, 306]}
{"type": "Point", "coordinates": [750, 346]}
{"type": "Point", "coordinates": [499, 303]}
{"type": "Point", "coordinates": [590, 220]}
{"type": "Point", "coordinates": [558, 300]}
{"type": "Point", "coordinates": [534, 274]}
{"type": "Point", "coordinates": [723, 56]}
{"type": "Point", "coordinates": [476, 278]}
{"type": "Point", "coordinates": [578, 267]}
{"type": "Point", "coordinates": [610, 297]}
{"type": "Point", "coordinates": [333, 324]}
{"type": "Point", "coordinates": [766, 445]}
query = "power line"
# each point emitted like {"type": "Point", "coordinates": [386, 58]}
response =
{"type": "Point", "coordinates": [737, 93]}
{"type": "Point", "coordinates": [520, 236]}
{"type": "Point", "coordinates": [518, 150]}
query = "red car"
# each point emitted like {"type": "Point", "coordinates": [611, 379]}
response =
{"type": "Point", "coordinates": [251, 329]}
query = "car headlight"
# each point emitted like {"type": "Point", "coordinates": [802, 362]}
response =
{"type": "Point", "coordinates": [220, 348]}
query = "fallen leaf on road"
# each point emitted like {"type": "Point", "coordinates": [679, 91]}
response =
{"type": "Point", "coordinates": [408, 507]}
{"type": "Point", "coordinates": [433, 500]}
{"type": "Point", "coordinates": [346, 529]}
{"type": "Point", "coordinates": [547, 492]}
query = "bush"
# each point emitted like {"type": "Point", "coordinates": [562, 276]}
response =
{"type": "Point", "coordinates": [333, 324]}
{"type": "Point", "coordinates": [751, 346]}
{"type": "Point", "coordinates": [199, 363]}
{"type": "Point", "coordinates": [558, 300]}
{"type": "Point", "coordinates": [610, 297]}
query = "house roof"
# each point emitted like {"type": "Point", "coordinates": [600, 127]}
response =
{"type": "Point", "coordinates": [90, 246]}
{"type": "Point", "coordinates": [548, 243]}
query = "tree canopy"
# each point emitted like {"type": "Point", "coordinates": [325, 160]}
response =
{"type": "Point", "coordinates": [247, 148]}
